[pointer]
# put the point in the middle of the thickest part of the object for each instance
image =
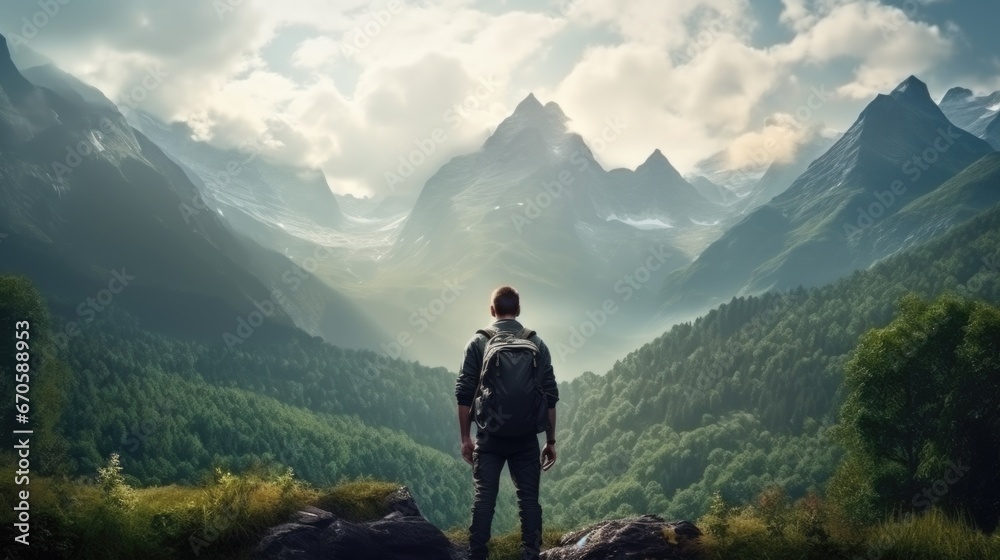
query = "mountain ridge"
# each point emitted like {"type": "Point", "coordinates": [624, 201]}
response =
{"type": "Point", "coordinates": [980, 115]}
{"type": "Point", "coordinates": [85, 195]}
{"type": "Point", "coordinates": [804, 235]}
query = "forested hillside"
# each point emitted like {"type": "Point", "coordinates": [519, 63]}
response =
{"type": "Point", "coordinates": [743, 397]}
{"type": "Point", "coordinates": [173, 410]}
{"type": "Point", "coordinates": [305, 372]}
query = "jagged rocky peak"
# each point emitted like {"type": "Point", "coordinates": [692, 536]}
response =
{"type": "Point", "coordinates": [531, 109]}
{"type": "Point", "coordinates": [556, 111]}
{"type": "Point", "coordinates": [657, 164]}
{"type": "Point", "coordinates": [529, 104]}
{"type": "Point", "coordinates": [10, 78]}
{"type": "Point", "coordinates": [886, 110]}
{"type": "Point", "coordinates": [548, 120]}
{"type": "Point", "coordinates": [911, 86]}
{"type": "Point", "coordinates": [656, 158]}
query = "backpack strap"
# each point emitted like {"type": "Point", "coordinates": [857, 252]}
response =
{"type": "Point", "coordinates": [488, 332]}
{"type": "Point", "coordinates": [526, 334]}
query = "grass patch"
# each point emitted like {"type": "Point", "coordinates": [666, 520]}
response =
{"type": "Point", "coordinates": [227, 514]}
{"type": "Point", "coordinates": [360, 500]}
{"type": "Point", "coordinates": [224, 517]}
{"type": "Point", "coordinates": [774, 529]}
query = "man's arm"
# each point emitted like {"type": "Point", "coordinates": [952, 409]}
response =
{"type": "Point", "coordinates": [549, 384]}
{"type": "Point", "coordinates": [552, 394]}
{"type": "Point", "coordinates": [465, 390]}
{"type": "Point", "coordinates": [468, 377]}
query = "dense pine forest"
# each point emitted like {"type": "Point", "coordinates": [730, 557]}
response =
{"type": "Point", "coordinates": [745, 397]}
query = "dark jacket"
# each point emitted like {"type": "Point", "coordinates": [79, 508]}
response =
{"type": "Point", "coordinates": [468, 379]}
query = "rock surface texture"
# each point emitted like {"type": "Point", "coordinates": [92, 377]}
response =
{"type": "Point", "coordinates": [404, 534]}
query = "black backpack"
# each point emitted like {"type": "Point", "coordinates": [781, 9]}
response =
{"type": "Point", "coordinates": [510, 400]}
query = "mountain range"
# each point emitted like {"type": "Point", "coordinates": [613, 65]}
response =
{"type": "Point", "coordinates": [531, 207]}
{"type": "Point", "coordinates": [836, 216]}
{"type": "Point", "coordinates": [92, 206]}
{"type": "Point", "coordinates": [980, 115]}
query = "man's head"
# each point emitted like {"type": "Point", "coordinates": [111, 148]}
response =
{"type": "Point", "coordinates": [505, 303]}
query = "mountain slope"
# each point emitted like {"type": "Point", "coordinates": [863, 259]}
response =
{"type": "Point", "coordinates": [655, 190]}
{"type": "Point", "coordinates": [712, 192]}
{"type": "Point", "coordinates": [741, 398]}
{"type": "Point", "coordinates": [266, 201]}
{"type": "Point", "coordinates": [175, 410]}
{"type": "Point", "coordinates": [900, 148]}
{"type": "Point", "coordinates": [91, 204]}
{"type": "Point", "coordinates": [781, 174]}
{"type": "Point", "coordinates": [957, 200]}
{"type": "Point", "coordinates": [533, 180]}
{"type": "Point", "coordinates": [533, 208]}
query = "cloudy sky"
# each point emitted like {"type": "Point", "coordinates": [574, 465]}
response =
{"type": "Point", "coordinates": [351, 86]}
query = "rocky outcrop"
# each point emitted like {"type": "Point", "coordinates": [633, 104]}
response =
{"type": "Point", "coordinates": [404, 534]}
{"type": "Point", "coordinates": [649, 537]}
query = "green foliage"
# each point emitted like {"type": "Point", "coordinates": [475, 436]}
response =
{"type": "Point", "coordinates": [50, 390]}
{"type": "Point", "coordinates": [25, 320]}
{"type": "Point", "coordinates": [921, 419]}
{"type": "Point", "coordinates": [814, 530]}
{"type": "Point", "coordinates": [166, 408]}
{"type": "Point", "coordinates": [171, 429]}
{"type": "Point", "coordinates": [773, 508]}
{"type": "Point", "coordinates": [739, 401]}
{"type": "Point", "coordinates": [746, 396]}
{"type": "Point", "coordinates": [21, 301]}
{"type": "Point", "coordinates": [716, 521]}
{"type": "Point", "coordinates": [362, 499]}
{"type": "Point", "coordinates": [116, 492]}
{"type": "Point", "coordinates": [222, 518]}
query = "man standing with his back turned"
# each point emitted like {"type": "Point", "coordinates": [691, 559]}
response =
{"type": "Point", "coordinates": [489, 451]}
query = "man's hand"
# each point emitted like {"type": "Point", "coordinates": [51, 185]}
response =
{"type": "Point", "coordinates": [548, 456]}
{"type": "Point", "coordinates": [467, 448]}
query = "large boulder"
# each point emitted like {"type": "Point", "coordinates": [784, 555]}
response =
{"type": "Point", "coordinates": [403, 534]}
{"type": "Point", "coordinates": [649, 537]}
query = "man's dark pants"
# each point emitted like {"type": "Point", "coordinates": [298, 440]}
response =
{"type": "Point", "coordinates": [524, 464]}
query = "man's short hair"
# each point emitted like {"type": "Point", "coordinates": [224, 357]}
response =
{"type": "Point", "coordinates": [506, 301]}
